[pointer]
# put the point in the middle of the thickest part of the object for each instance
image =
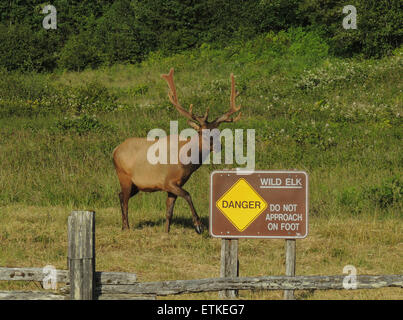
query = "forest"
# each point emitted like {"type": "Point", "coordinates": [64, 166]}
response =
{"type": "Point", "coordinates": [104, 32]}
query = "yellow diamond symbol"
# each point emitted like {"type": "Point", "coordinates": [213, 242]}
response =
{"type": "Point", "coordinates": [241, 204]}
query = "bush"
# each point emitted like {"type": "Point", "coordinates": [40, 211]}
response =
{"type": "Point", "coordinates": [276, 15]}
{"type": "Point", "coordinates": [24, 49]}
{"type": "Point", "coordinates": [91, 33]}
{"type": "Point", "coordinates": [27, 95]}
{"type": "Point", "coordinates": [32, 94]}
{"type": "Point", "coordinates": [82, 124]}
{"type": "Point", "coordinates": [316, 134]}
{"type": "Point", "coordinates": [307, 44]}
{"type": "Point", "coordinates": [89, 98]}
{"type": "Point", "coordinates": [379, 25]}
{"type": "Point", "coordinates": [80, 51]}
{"type": "Point", "coordinates": [390, 192]}
{"type": "Point", "coordinates": [121, 37]}
{"type": "Point", "coordinates": [351, 196]}
{"type": "Point", "coordinates": [15, 85]}
{"type": "Point", "coordinates": [138, 90]}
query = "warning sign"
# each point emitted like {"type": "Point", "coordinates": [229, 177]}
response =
{"type": "Point", "coordinates": [241, 204]}
{"type": "Point", "coordinates": [259, 204]}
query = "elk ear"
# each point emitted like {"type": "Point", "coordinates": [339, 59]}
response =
{"type": "Point", "coordinates": [194, 125]}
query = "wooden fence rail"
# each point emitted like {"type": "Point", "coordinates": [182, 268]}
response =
{"type": "Point", "coordinates": [30, 295]}
{"type": "Point", "coordinates": [83, 282]}
{"type": "Point", "coordinates": [63, 276]}
{"type": "Point", "coordinates": [121, 284]}
{"type": "Point", "coordinates": [253, 283]}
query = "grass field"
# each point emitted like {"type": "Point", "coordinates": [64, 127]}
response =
{"type": "Point", "coordinates": [339, 120]}
{"type": "Point", "coordinates": [37, 236]}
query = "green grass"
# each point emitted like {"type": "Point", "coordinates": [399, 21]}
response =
{"type": "Point", "coordinates": [37, 236]}
{"type": "Point", "coordinates": [339, 120]}
{"type": "Point", "coordinates": [58, 152]}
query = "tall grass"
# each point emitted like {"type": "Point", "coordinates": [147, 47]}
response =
{"type": "Point", "coordinates": [338, 120]}
{"type": "Point", "coordinates": [37, 236]}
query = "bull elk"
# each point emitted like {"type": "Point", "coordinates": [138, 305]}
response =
{"type": "Point", "coordinates": [136, 173]}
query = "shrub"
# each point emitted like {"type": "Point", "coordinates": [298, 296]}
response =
{"type": "Point", "coordinates": [27, 50]}
{"type": "Point", "coordinates": [379, 25]}
{"type": "Point", "coordinates": [121, 37]}
{"type": "Point", "coordinates": [92, 33]}
{"type": "Point", "coordinates": [278, 14]}
{"type": "Point", "coordinates": [316, 134]}
{"type": "Point", "coordinates": [79, 52]}
{"type": "Point", "coordinates": [82, 124]}
{"type": "Point", "coordinates": [308, 44]}
{"type": "Point", "coordinates": [31, 95]}
{"type": "Point", "coordinates": [352, 198]}
{"type": "Point", "coordinates": [390, 192]}
{"type": "Point", "coordinates": [89, 98]}
{"type": "Point", "coordinates": [138, 90]}
{"type": "Point", "coordinates": [18, 86]}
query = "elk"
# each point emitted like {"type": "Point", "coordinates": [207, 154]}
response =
{"type": "Point", "coordinates": [136, 173]}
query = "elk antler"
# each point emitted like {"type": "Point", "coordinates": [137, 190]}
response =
{"type": "Point", "coordinates": [174, 100]}
{"type": "Point", "coordinates": [226, 117]}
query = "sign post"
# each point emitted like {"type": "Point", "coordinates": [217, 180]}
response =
{"type": "Point", "coordinates": [290, 261]}
{"type": "Point", "coordinates": [258, 204]}
{"type": "Point", "coordinates": [229, 264]}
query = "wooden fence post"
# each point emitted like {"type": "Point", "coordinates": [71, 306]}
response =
{"type": "Point", "coordinates": [81, 255]}
{"type": "Point", "coordinates": [290, 259]}
{"type": "Point", "coordinates": [229, 264]}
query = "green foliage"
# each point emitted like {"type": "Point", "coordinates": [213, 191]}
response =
{"type": "Point", "coordinates": [83, 124]}
{"type": "Point", "coordinates": [105, 32]}
{"type": "Point", "coordinates": [387, 194]}
{"type": "Point", "coordinates": [23, 86]}
{"type": "Point", "coordinates": [79, 52]}
{"type": "Point", "coordinates": [390, 192]}
{"type": "Point", "coordinates": [379, 25]}
{"type": "Point", "coordinates": [278, 15]}
{"type": "Point", "coordinates": [30, 96]}
{"type": "Point", "coordinates": [337, 119]}
{"type": "Point", "coordinates": [120, 36]}
{"type": "Point", "coordinates": [297, 43]}
{"type": "Point", "coordinates": [340, 72]}
{"type": "Point", "coordinates": [318, 135]}
{"type": "Point", "coordinates": [352, 198]}
{"type": "Point", "coordinates": [138, 90]}
{"type": "Point", "coordinates": [307, 43]}
{"type": "Point", "coordinates": [89, 98]}
{"type": "Point", "coordinates": [24, 96]}
{"type": "Point", "coordinates": [24, 49]}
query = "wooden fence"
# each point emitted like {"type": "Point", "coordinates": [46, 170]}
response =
{"type": "Point", "coordinates": [82, 282]}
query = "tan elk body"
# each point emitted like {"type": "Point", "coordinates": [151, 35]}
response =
{"type": "Point", "coordinates": [136, 173]}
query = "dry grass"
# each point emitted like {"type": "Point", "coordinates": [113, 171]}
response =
{"type": "Point", "coordinates": [37, 236]}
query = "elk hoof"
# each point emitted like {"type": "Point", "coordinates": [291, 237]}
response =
{"type": "Point", "coordinates": [199, 228]}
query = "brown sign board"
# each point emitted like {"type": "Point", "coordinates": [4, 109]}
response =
{"type": "Point", "coordinates": [259, 204]}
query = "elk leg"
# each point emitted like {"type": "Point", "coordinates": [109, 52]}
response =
{"type": "Point", "coordinates": [124, 204]}
{"type": "Point", "coordinates": [128, 190]}
{"type": "Point", "coordinates": [170, 210]}
{"type": "Point", "coordinates": [184, 194]}
{"type": "Point", "coordinates": [124, 197]}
